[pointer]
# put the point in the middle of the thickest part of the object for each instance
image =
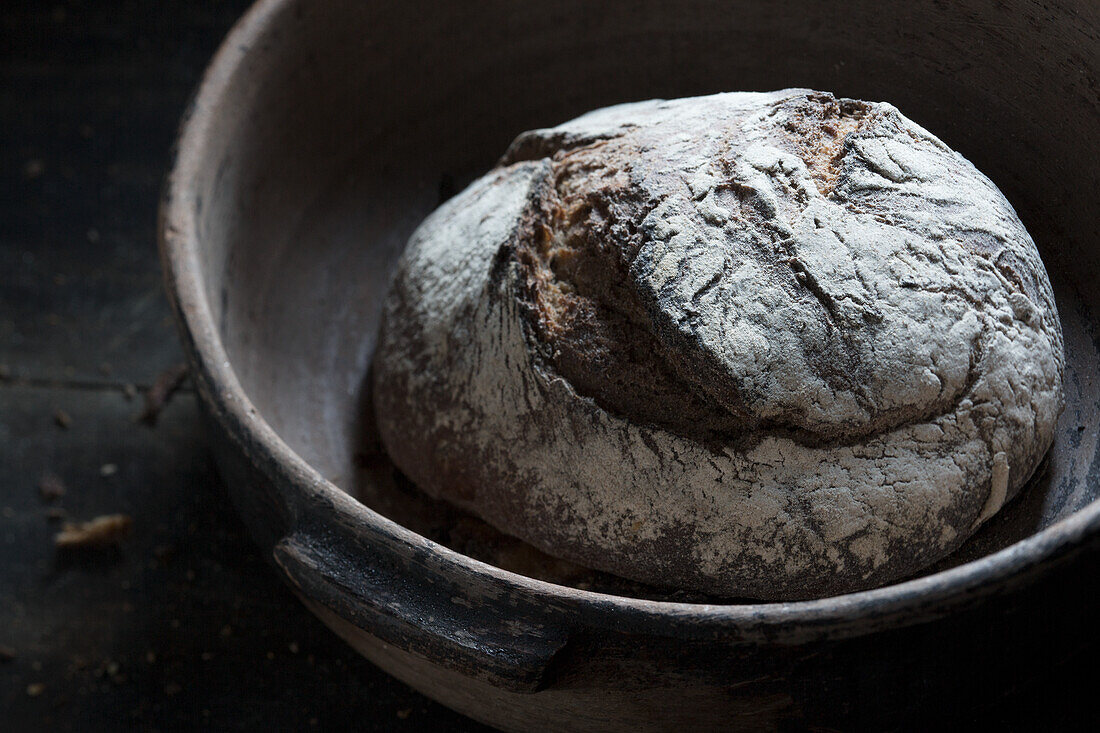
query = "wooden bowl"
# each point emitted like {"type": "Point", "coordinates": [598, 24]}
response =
{"type": "Point", "coordinates": [323, 132]}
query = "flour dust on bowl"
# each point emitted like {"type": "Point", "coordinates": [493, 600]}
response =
{"type": "Point", "coordinates": [324, 133]}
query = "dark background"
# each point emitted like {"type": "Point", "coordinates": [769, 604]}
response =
{"type": "Point", "coordinates": [183, 625]}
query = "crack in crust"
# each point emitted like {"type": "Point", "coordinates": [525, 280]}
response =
{"type": "Point", "coordinates": [819, 131]}
{"type": "Point", "coordinates": [595, 330]}
{"type": "Point", "coordinates": [591, 326]}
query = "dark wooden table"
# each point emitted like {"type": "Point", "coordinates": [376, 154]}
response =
{"type": "Point", "coordinates": [183, 625]}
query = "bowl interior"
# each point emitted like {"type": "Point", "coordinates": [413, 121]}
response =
{"type": "Point", "coordinates": [351, 121]}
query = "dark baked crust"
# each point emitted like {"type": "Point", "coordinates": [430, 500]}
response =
{"type": "Point", "coordinates": [592, 328]}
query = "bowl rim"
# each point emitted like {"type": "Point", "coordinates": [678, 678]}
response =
{"type": "Point", "coordinates": [892, 605]}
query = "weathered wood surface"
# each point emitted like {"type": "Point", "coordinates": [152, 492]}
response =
{"type": "Point", "coordinates": [183, 625]}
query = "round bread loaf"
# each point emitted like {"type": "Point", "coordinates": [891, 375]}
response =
{"type": "Point", "coordinates": [762, 345]}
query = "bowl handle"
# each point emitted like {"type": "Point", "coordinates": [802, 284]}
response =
{"type": "Point", "coordinates": [393, 594]}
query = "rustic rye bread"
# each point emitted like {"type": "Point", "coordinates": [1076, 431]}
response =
{"type": "Point", "coordinates": [762, 345]}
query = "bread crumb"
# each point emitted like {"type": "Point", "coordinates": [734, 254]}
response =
{"type": "Point", "coordinates": [62, 418]}
{"type": "Point", "coordinates": [165, 385]}
{"type": "Point", "coordinates": [50, 486]}
{"type": "Point", "coordinates": [35, 689]}
{"type": "Point", "coordinates": [99, 532]}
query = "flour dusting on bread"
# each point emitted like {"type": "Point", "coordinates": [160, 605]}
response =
{"type": "Point", "coordinates": [769, 345]}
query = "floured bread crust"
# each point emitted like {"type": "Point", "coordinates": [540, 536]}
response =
{"type": "Point", "coordinates": [768, 345]}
